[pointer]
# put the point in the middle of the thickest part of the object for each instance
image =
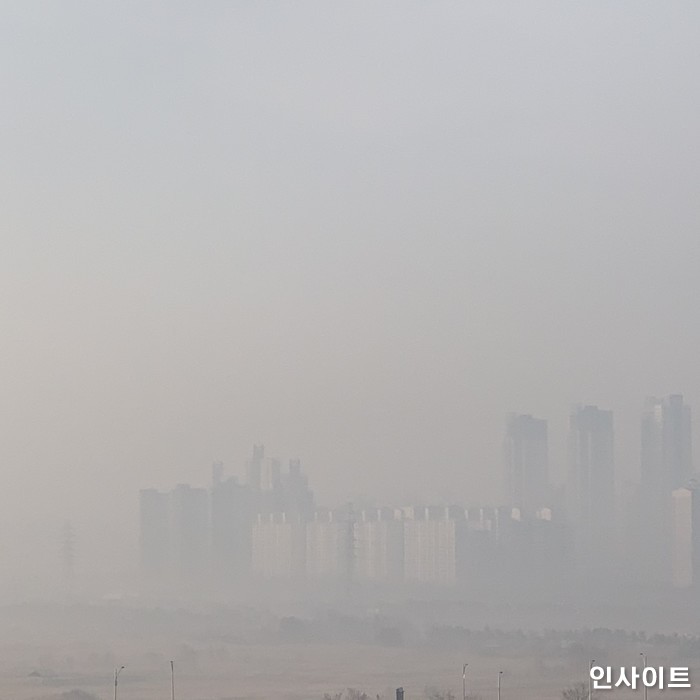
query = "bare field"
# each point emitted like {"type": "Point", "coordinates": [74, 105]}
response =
{"type": "Point", "coordinates": [296, 672]}
{"type": "Point", "coordinates": [251, 654]}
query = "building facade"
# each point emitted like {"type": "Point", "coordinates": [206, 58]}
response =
{"type": "Point", "coordinates": [526, 463]}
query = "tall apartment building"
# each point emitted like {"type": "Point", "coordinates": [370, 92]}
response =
{"type": "Point", "coordinates": [378, 546]}
{"type": "Point", "coordinates": [526, 469]}
{"type": "Point", "coordinates": [233, 508]}
{"type": "Point", "coordinates": [667, 460]}
{"type": "Point", "coordinates": [666, 465]}
{"type": "Point", "coordinates": [685, 533]}
{"type": "Point", "coordinates": [330, 543]}
{"type": "Point", "coordinates": [174, 539]}
{"type": "Point", "coordinates": [254, 468]}
{"type": "Point", "coordinates": [189, 512]}
{"type": "Point", "coordinates": [295, 495]}
{"type": "Point", "coordinates": [532, 555]}
{"type": "Point", "coordinates": [279, 546]}
{"type": "Point", "coordinates": [591, 484]}
{"type": "Point", "coordinates": [431, 542]}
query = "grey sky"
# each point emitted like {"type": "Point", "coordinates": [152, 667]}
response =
{"type": "Point", "coordinates": [360, 233]}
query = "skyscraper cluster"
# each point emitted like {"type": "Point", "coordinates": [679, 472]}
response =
{"type": "Point", "coordinates": [643, 528]}
{"type": "Point", "coordinates": [268, 527]}
{"type": "Point", "coordinates": [194, 539]}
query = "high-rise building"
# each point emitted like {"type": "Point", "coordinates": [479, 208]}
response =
{"type": "Point", "coordinates": [666, 465]}
{"type": "Point", "coordinates": [254, 467]}
{"type": "Point", "coordinates": [532, 555]}
{"type": "Point", "coordinates": [526, 474]}
{"type": "Point", "coordinates": [666, 443]}
{"type": "Point", "coordinates": [241, 540]}
{"type": "Point", "coordinates": [279, 546]}
{"type": "Point", "coordinates": [174, 539]}
{"type": "Point", "coordinates": [233, 508]}
{"type": "Point", "coordinates": [379, 546]}
{"type": "Point", "coordinates": [591, 483]}
{"type": "Point", "coordinates": [189, 512]}
{"type": "Point", "coordinates": [284, 492]}
{"type": "Point", "coordinates": [295, 494]}
{"type": "Point", "coordinates": [685, 530]}
{"type": "Point", "coordinates": [431, 545]}
{"type": "Point", "coordinates": [330, 545]}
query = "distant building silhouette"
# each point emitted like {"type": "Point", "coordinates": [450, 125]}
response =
{"type": "Point", "coordinates": [432, 537]}
{"type": "Point", "coordinates": [295, 496]}
{"type": "Point", "coordinates": [174, 540]}
{"type": "Point", "coordinates": [666, 443]}
{"type": "Point", "coordinates": [195, 541]}
{"type": "Point", "coordinates": [254, 468]}
{"type": "Point", "coordinates": [279, 546]}
{"type": "Point", "coordinates": [666, 465]}
{"type": "Point", "coordinates": [591, 484]}
{"type": "Point", "coordinates": [329, 545]}
{"type": "Point", "coordinates": [685, 546]}
{"type": "Point", "coordinates": [379, 545]}
{"type": "Point", "coordinates": [233, 508]}
{"type": "Point", "coordinates": [189, 512]}
{"type": "Point", "coordinates": [526, 469]}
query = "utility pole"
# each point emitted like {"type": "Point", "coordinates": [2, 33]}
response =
{"type": "Point", "coordinates": [500, 673]}
{"type": "Point", "coordinates": [464, 681]}
{"type": "Point", "coordinates": [172, 680]}
{"type": "Point", "coordinates": [590, 666]}
{"type": "Point", "coordinates": [117, 671]}
{"type": "Point", "coordinates": [646, 689]}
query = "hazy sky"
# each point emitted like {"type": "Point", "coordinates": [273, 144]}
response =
{"type": "Point", "coordinates": [359, 232]}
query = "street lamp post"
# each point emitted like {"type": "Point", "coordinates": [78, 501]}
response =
{"type": "Point", "coordinates": [172, 680]}
{"type": "Point", "coordinates": [646, 690]}
{"type": "Point", "coordinates": [500, 673]}
{"type": "Point", "coordinates": [464, 681]}
{"type": "Point", "coordinates": [117, 671]}
{"type": "Point", "coordinates": [590, 666]}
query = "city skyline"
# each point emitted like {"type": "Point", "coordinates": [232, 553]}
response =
{"type": "Point", "coordinates": [91, 540]}
{"type": "Point", "coordinates": [269, 525]}
{"type": "Point", "coordinates": [525, 441]}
